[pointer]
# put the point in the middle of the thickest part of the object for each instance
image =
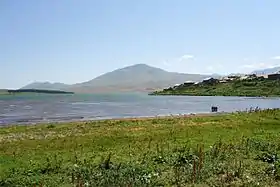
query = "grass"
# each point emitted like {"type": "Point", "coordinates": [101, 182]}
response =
{"type": "Point", "coordinates": [239, 149]}
{"type": "Point", "coordinates": [253, 88]}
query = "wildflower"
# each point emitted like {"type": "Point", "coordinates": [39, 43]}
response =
{"type": "Point", "coordinates": [155, 174]}
{"type": "Point", "coordinates": [147, 178]}
{"type": "Point", "coordinates": [99, 174]}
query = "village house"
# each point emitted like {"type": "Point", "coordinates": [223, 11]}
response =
{"type": "Point", "coordinates": [248, 77]}
{"type": "Point", "coordinates": [252, 76]}
{"type": "Point", "coordinates": [275, 76]}
{"type": "Point", "coordinates": [168, 89]}
{"type": "Point", "coordinates": [210, 80]}
{"type": "Point", "coordinates": [244, 77]}
{"type": "Point", "coordinates": [176, 86]}
{"type": "Point", "coordinates": [229, 78]}
{"type": "Point", "coordinates": [189, 83]}
{"type": "Point", "coordinates": [223, 81]}
{"type": "Point", "coordinates": [233, 77]}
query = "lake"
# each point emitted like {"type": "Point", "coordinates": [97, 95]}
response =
{"type": "Point", "coordinates": [21, 109]}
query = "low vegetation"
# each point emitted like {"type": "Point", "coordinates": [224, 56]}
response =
{"type": "Point", "coordinates": [38, 91]}
{"type": "Point", "coordinates": [253, 88]}
{"type": "Point", "coordinates": [239, 149]}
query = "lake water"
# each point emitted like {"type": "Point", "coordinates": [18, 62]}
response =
{"type": "Point", "coordinates": [49, 108]}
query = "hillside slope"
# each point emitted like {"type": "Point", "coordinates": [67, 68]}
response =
{"type": "Point", "coordinates": [139, 77]}
{"type": "Point", "coordinates": [254, 88]}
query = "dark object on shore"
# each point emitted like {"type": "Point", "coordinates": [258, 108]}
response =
{"type": "Point", "coordinates": [275, 76]}
{"type": "Point", "coordinates": [38, 91]}
{"type": "Point", "coordinates": [214, 109]}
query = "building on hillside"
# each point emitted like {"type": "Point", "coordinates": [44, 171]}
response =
{"type": "Point", "coordinates": [223, 81]}
{"type": "Point", "coordinates": [252, 76]}
{"type": "Point", "coordinates": [230, 78]}
{"type": "Point", "coordinates": [275, 76]}
{"type": "Point", "coordinates": [233, 77]}
{"type": "Point", "coordinates": [189, 83]}
{"type": "Point", "coordinates": [244, 77]}
{"type": "Point", "coordinates": [176, 86]}
{"type": "Point", "coordinates": [168, 89]}
{"type": "Point", "coordinates": [206, 79]}
{"type": "Point", "coordinates": [249, 77]}
{"type": "Point", "coordinates": [210, 80]}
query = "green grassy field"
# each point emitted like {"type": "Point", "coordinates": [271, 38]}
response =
{"type": "Point", "coordinates": [253, 88]}
{"type": "Point", "coordinates": [239, 149]}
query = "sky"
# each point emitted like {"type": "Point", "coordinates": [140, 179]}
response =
{"type": "Point", "coordinates": [72, 41]}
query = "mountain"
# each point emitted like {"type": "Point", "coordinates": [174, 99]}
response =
{"type": "Point", "coordinates": [139, 77]}
{"type": "Point", "coordinates": [267, 71]}
{"type": "Point", "coordinates": [46, 86]}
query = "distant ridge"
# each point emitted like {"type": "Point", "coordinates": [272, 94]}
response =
{"type": "Point", "coordinates": [267, 71]}
{"type": "Point", "coordinates": [46, 86]}
{"type": "Point", "coordinates": [135, 78]}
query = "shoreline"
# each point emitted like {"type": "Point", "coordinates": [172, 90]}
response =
{"type": "Point", "coordinates": [194, 95]}
{"type": "Point", "coordinates": [144, 118]}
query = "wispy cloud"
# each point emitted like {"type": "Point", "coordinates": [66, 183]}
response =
{"type": "Point", "coordinates": [275, 58]}
{"type": "Point", "coordinates": [186, 57]}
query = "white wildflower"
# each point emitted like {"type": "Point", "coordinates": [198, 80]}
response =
{"type": "Point", "coordinates": [156, 174]}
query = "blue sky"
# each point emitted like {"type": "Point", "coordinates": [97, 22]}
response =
{"type": "Point", "coordinates": [72, 41]}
